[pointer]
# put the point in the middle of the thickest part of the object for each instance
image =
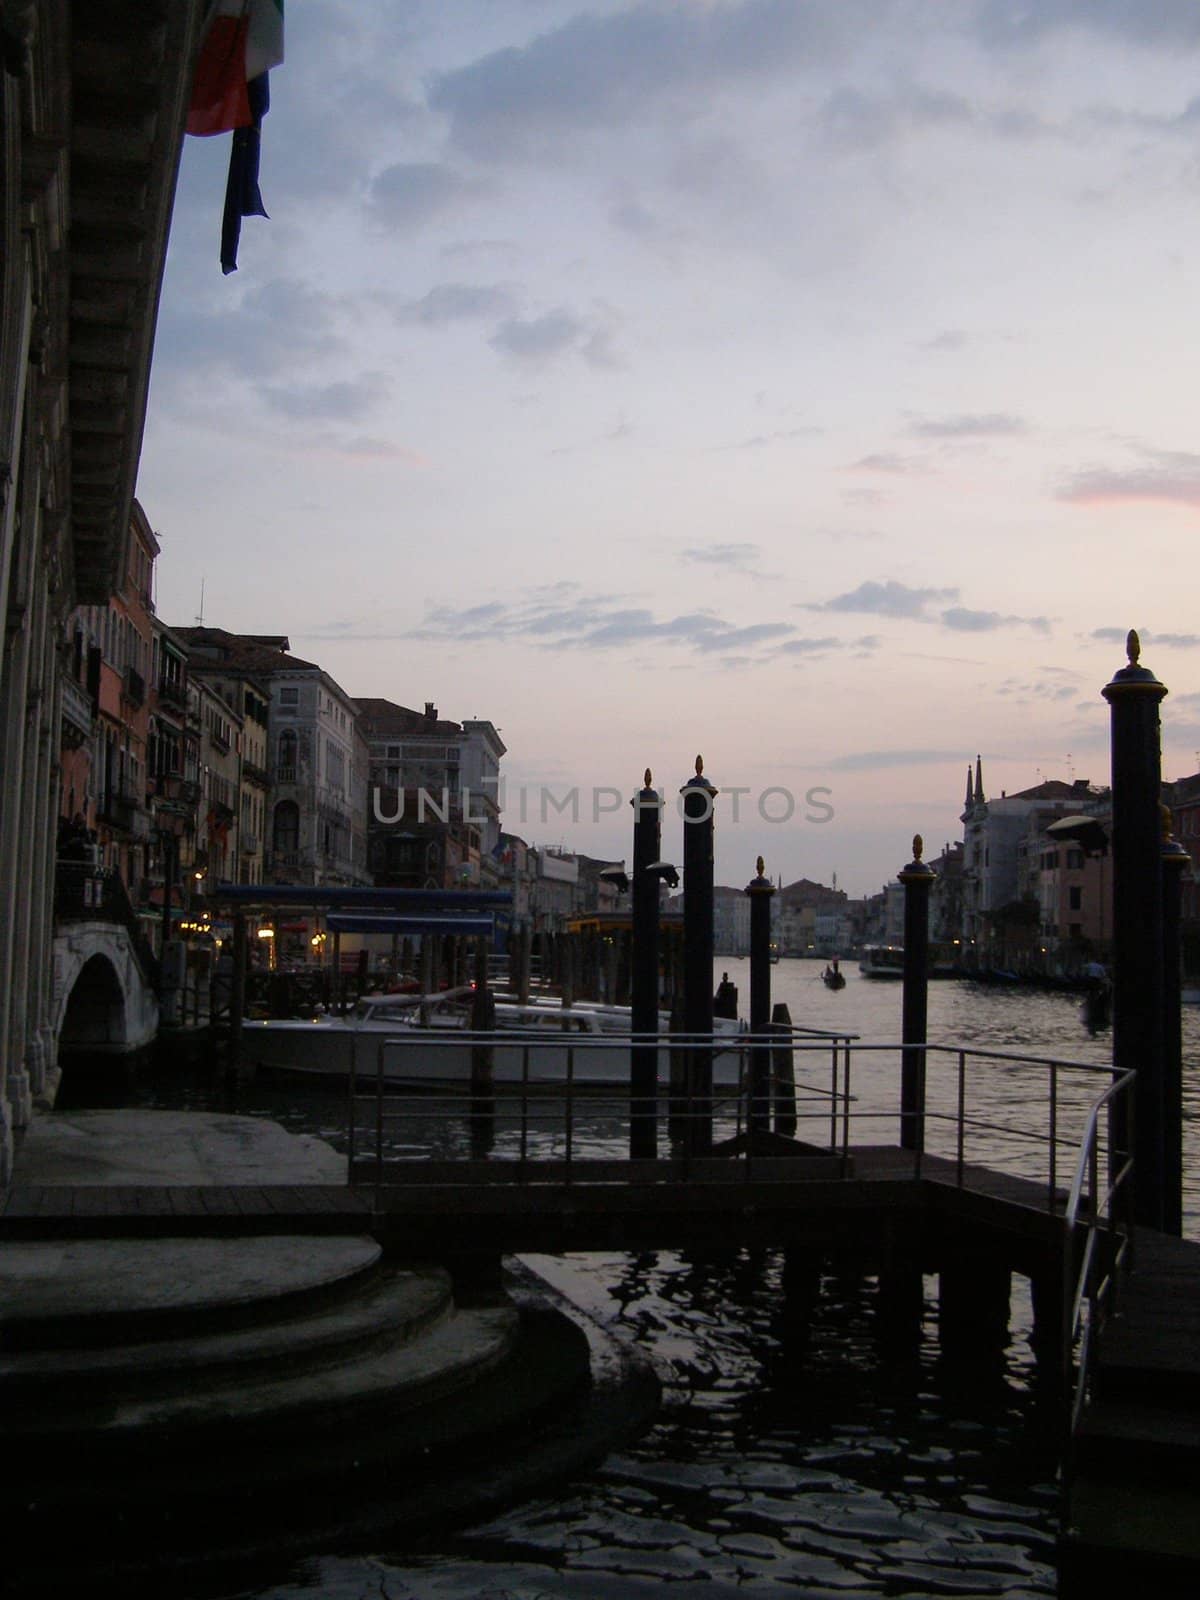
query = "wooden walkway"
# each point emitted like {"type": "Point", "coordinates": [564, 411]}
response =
{"type": "Point", "coordinates": [508, 1206]}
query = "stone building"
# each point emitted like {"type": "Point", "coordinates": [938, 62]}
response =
{"type": "Point", "coordinates": [93, 101]}
{"type": "Point", "coordinates": [314, 834]}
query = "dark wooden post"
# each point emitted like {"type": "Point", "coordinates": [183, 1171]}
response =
{"type": "Point", "coordinates": [698, 797]}
{"type": "Point", "coordinates": [760, 890]}
{"type": "Point", "coordinates": [526, 948]}
{"type": "Point", "coordinates": [483, 1089]}
{"type": "Point", "coordinates": [783, 1071]}
{"type": "Point", "coordinates": [1134, 696]}
{"type": "Point", "coordinates": [917, 878]}
{"type": "Point", "coordinates": [237, 988]}
{"type": "Point", "coordinates": [1175, 861]}
{"type": "Point", "coordinates": [644, 886]}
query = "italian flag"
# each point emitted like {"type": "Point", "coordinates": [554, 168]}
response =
{"type": "Point", "coordinates": [242, 40]}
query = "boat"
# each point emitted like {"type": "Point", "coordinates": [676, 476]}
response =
{"type": "Point", "coordinates": [882, 961]}
{"type": "Point", "coordinates": [833, 977]}
{"type": "Point", "coordinates": [427, 1041]}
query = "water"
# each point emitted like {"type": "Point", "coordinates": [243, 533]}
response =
{"type": "Point", "coordinates": [772, 1469]}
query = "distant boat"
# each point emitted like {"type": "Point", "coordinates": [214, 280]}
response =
{"type": "Point", "coordinates": [833, 979]}
{"type": "Point", "coordinates": [882, 961]}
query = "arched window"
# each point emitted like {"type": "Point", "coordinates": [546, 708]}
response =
{"type": "Point", "coordinates": [286, 767]}
{"type": "Point", "coordinates": [286, 831]}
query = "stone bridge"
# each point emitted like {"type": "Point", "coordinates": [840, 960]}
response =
{"type": "Point", "coordinates": [105, 974]}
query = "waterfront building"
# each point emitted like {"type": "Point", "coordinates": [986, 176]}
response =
{"type": "Point", "coordinates": [92, 115]}
{"type": "Point", "coordinates": [555, 889]}
{"type": "Point", "coordinates": [311, 835]}
{"type": "Point", "coordinates": [433, 818]}
{"type": "Point", "coordinates": [996, 842]}
{"type": "Point", "coordinates": [799, 904]}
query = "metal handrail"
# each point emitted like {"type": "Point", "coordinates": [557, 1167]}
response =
{"type": "Point", "coordinates": [1107, 1252]}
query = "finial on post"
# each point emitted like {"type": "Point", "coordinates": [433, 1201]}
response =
{"type": "Point", "coordinates": [699, 766]}
{"type": "Point", "coordinates": [1133, 647]}
{"type": "Point", "coordinates": [758, 866]}
{"type": "Point", "coordinates": [647, 782]}
{"type": "Point", "coordinates": [918, 847]}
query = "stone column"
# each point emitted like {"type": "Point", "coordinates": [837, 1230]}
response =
{"type": "Point", "coordinates": [917, 878]}
{"type": "Point", "coordinates": [643, 1077]}
{"type": "Point", "coordinates": [760, 890]}
{"type": "Point", "coordinates": [698, 796]}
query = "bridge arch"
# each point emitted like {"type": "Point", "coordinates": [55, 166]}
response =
{"type": "Point", "coordinates": [103, 1004]}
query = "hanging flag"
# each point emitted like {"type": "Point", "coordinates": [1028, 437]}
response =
{"type": "Point", "coordinates": [242, 196]}
{"type": "Point", "coordinates": [243, 40]}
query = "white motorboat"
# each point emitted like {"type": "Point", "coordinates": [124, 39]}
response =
{"type": "Point", "coordinates": [426, 1040]}
{"type": "Point", "coordinates": [882, 961]}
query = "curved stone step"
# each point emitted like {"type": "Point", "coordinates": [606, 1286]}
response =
{"type": "Point", "coordinates": [393, 1307]}
{"type": "Point", "coordinates": [101, 1291]}
{"type": "Point", "coordinates": [230, 1415]}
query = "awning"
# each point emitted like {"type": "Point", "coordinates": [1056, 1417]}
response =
{"type": "Point", "coordinates": [406, 927]}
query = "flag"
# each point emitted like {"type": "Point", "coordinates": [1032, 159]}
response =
{"type": "Point", "coordinates": [243, 39]}
{"type": "Point", "coordinates": [242, 42]}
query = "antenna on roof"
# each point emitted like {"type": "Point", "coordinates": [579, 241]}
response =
{"type": "Point", "coordinates": [200, 618]}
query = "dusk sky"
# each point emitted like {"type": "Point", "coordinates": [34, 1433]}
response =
{"type": "Point", "coordinates": [802, 384]}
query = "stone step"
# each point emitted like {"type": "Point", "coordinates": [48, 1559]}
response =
{"type": "Point", "coordinates": [392, 1307]}
{"type": "Point", "coordinates": [1136, 1442]}
{"type": "Point", "coordinates": [535, 1418]}
{"type": "Point", "coordinates": [227, 1415]}
{"type": "Point", "coordinates": [101, 1292]}
{"type": "Point", "coordinates": [1118, 1534]}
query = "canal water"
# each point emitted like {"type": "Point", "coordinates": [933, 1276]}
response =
{"type": "Point", "coordinates": [774, 1468]}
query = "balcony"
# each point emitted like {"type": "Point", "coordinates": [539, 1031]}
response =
{"type": "Point", "coordinates": [285, 774]}
{"type": "Point", "coordinates": [256, 774]}
{"type": "Point", "coordinates": [134, 689]}
{"type": "Point", "coordinates": [76, 715]}
{"type": "Point", "coordinates": [120, 811]}
{"type": "Point", "coordinates": [249, 844]}
{"type": "Point", "coordinates": [172, 692]}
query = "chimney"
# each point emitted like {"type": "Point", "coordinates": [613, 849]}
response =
{"type": "Point", "coordinates": [430, 711]}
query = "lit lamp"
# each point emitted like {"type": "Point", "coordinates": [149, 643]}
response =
{"type": "Point", "coordinates": [269, 935]}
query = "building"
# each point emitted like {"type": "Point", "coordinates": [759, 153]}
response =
{"type": "Point", "coordinates": [311, 835]}
{"type": "Point", "coordinates": [433, 815]}
{"type": "Point", "coordinates": [1001, 859]}
{"type": "Point", "coordinates": [93, 115]}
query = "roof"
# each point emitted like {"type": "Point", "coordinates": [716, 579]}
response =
{"type": "Point", "coordinates": [241, 651]}
{"type": "Point", "coordinates": [382, 719]}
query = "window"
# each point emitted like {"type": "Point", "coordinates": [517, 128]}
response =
{"type": "Point", "coordinates": [286, 768]}
{"type": "Point", "coordinates": [1075, 899]}
{"type": "Point", "coordinates": [287, 828]}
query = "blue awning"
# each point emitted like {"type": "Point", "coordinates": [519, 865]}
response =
{"type": "Point", "coordinates": [406, 927]}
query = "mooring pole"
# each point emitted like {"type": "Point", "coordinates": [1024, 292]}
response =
{"type": "Point", "coordinates": [760, 890]}
{"type": "Point", "coordinates": [1134, 696]}
{"type": "Point", "coordinates": [643, 1075]}
{"type": "Point", "coordinates": [237, 987]}
{"type": "Point", "coordinates": [483, 1091]}
{"type": "Point", "coordinates": [1175, 862]}
{"type": "Point", "coordinates": [698, 796]}
{"type": "Point", "coordinates": [917, 878]}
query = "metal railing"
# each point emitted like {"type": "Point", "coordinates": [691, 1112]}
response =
{"type": "Point", "coordinates": [967, 1121]}
{"type": "Point", "coordinates": [1098, 1234]}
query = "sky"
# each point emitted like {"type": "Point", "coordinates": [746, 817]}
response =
{"type": "Point", "coordinates": [799, 383]}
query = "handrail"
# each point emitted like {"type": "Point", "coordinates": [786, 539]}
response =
{"type": "Point", "coordinates": [1107, 1245]}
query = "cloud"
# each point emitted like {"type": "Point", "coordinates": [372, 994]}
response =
{"type": "Point", "coordinates": [872, 760]}
{"type": "Point", "coordinates": [406, 196]}
{"type": "Point", "coordinates": [459, 302]}
{"type": "Point", "coordinates": [278, 327]}
{"type": "Point", "coordinates": [535, 341]}
{"type": "Point", "coordinates": [885, 461]}
{"type": "Point", "coordinates": [969, 425]}
{"type": "Point", "coordinates": [948, 339]}
{"type": "Point", "coordinates": [852, 120]}
{"type": "Point", "coordinates": [346, 401]}
{"type": "Point", "coordinates": [741, 558]}
{"type": "Point", "coordinates": [1168, 24]}
{"type": "Point", "coordinates": [887, 599]}
{"type": "Point", "coordinates": [962, 620]}
{"type": "Point", "coordinates": [604, 71]}
{"type": "Point", "coordinates": [562, 617]}
{"type": "Point", "coordinates": [1169, 641]}
{"type": "Point", "coordinates": [1170, 477]}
